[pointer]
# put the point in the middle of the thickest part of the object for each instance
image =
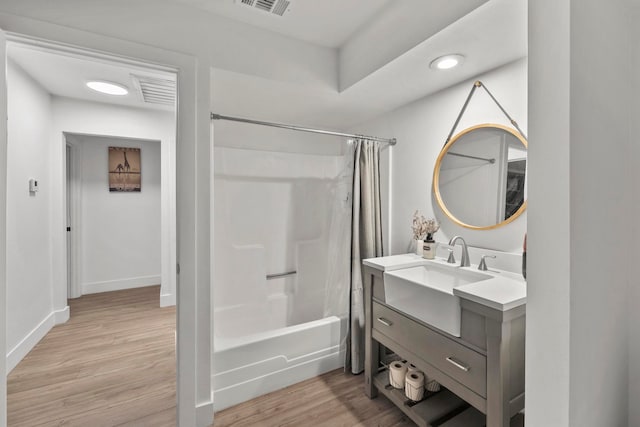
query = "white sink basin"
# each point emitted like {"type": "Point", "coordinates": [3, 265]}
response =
{"type": "Point", "coordinates": [426, 293]}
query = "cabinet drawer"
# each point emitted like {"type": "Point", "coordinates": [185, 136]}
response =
{"type": "Point", "coordinates": [466, 366]}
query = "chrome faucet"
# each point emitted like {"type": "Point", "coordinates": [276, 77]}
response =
{"type": "Point", "coordinates": [464, 262]}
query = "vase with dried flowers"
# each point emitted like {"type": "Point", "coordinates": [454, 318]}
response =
{"type": "Point", "coordinates": [418, 227]}
{"type": "Point", "coordinates": [429, 244]}
{"type": "Point", "coordinates": [423, 231]}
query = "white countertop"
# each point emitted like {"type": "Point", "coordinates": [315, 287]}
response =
{"type": "Point", "coordinates": [394, 262]}
{"type": "Point", "coordinates": [504, 291]}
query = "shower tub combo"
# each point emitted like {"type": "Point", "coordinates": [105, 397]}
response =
{"type": "Point", "coordinates": [282, 254]}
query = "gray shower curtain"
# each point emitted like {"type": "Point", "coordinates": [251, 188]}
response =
{"type": "Point", "coordinates": [366, 241]}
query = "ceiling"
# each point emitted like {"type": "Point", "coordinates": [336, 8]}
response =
{"type": "Point", "coordinates": [66, 74]}
{"type": "Point", "coordinates": [305, 19]}
{"type": "Point", "coordinates": [491, 35]}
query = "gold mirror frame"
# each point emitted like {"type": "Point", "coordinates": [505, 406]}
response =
{"type": "Point", "coordinates": [436, 177]}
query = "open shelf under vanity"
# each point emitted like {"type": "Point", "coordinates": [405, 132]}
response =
{"type": "Point", "coordinates": [439, 409]}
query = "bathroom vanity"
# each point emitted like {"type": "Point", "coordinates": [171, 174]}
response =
{"type": "Point", "coordinates": [461, 327]}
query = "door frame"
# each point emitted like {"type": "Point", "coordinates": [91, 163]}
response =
{"type": "Point", "coordinates": [167, 210]}
{"type": "Point", "coordinates": [193, 195]}
{"type": "Point", "coordinates": [3, 226]}
{"type": "Point", "coordinates": [73, 197]}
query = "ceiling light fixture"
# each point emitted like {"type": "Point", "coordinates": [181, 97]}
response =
{"type": "Point", "coordinates": [108, 88]}
{"type": "Point", "coordinates": [446, 62]}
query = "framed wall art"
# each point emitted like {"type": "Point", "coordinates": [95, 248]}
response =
{"type": "Point", "coordinates": [124, 169]}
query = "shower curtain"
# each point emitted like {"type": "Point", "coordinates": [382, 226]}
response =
{"type": "Point", "coordinates": [366, 241]}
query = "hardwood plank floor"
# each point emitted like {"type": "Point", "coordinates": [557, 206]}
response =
{"type": "Point", "coordinates": [111, 364]}
{"type": "Point", "coordinates": [334, 399]}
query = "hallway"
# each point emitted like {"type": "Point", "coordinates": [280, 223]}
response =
{"type": "Point", "coordinates": [111, 364]}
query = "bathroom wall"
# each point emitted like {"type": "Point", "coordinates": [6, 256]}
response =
{"type": "Point", "coordinates": [120, 232]}
{"type": "Point", "coordinates": [582, 184]}
{"type": "Point", "coordinates": [633, 299]}
{"type": "Point", "coordinates": [421, 129]}
{"type": "Point", "coordinates": [29, 305]}
{"type": "Point", "coordinates": [263, 138]}
{"type": "Point", "coordinates": [91, 118]}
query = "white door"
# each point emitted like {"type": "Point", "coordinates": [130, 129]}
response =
{"type": "Point", "coordinates": [3, 227]}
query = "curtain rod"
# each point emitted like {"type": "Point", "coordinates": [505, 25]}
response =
{"type": "Point", "coordinates": [390, 141]}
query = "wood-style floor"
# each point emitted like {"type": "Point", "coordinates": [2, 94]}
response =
{"type": "Point", "coordinates": [111, 364]}
{"type": "Point", "coordinates": [334, 399]}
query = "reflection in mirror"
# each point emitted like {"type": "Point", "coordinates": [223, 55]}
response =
{"type": "Point", "coordinates": [479, 178]}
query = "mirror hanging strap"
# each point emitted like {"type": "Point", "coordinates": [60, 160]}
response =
{"type": "Point", "coordinates": [476, 85]}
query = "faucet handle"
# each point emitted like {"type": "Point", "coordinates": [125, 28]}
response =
{"type": "Point", "coordinates": [451, 259]}
{"type": "Point", "coordinates": [483, 264]}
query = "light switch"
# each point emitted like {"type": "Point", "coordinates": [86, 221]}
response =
{"type": "Point", "coordinates": [33, 185]}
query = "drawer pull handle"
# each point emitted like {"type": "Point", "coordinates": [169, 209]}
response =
{"type": "Point", "coordinates": [384, 321]}
{"type": "Point", "coordinates": [458, 364]}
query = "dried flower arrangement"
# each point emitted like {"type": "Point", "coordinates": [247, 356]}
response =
{"type": "Point", "coordinates": [423, 229]}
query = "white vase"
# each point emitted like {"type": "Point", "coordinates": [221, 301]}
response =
{"type": "Point", "coordinates": [429, 249]}
{"type": "Point", "coordinates": [419, 243]}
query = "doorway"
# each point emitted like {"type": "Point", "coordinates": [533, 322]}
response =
{"type": "Point", "coordinates": [58, 116]}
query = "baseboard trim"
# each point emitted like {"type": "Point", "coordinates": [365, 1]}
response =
{"type": "Point", "coordinates": [61, 316]}
{"type": "Point", "coordinates": [118, 285]}
{"type": "Point", "coordinates": [167, 300]}
{"type": "Point", "coordinates": [27, 343]}
{"type": "Point", "coordinates": [204, 414]}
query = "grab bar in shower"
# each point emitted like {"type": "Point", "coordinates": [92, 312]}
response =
{"type": "Point", "coordinates": [278, 276]}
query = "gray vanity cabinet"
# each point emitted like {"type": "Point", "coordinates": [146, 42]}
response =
{"type": "Point", "coordinates": [483, 368]}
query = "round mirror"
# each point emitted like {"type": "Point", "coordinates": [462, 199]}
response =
{"type": "Point", "coordinates": [479, 177]}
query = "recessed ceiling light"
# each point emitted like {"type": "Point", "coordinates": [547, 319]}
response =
{"type": "Point", "coordinates": [108, 88]}
{"type": "Point", "coordinates": [446, 62]}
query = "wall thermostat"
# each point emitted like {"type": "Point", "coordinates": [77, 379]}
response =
{"type": "Point", "coordinates": [33, 185]}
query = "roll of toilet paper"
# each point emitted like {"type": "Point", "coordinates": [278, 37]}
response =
{"type": "Point", "coordinates": [414, 385]}
{"type": "Point", "coordinates": [411, 367]}
{"type": "Point", "coordinates": [397, 373]}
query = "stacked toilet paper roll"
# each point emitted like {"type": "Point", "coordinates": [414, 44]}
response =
{"type": "Point", "coordinates": [414, 385]}
{"type": "Point", "coordinates": [411, 367]}
{"type": "Point", "coordinates": [397, 374]}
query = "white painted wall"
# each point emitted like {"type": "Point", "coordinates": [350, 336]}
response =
{"type": "Point", "coordinates": [30, 311]}
{"type": "Point", "coordinates": [120, 232]}
{"type": "Point", "coordinates": [580, 185]}
{"type": "Point", "coordinates": [263, 138]}
{"type": "Point", "coordinates": [90, 118]}
{"type": "Point", "coordinates": [3, 224]}
{"type": "Point", "coordinates": [421, 129]}
{"type": "Point", "coordinates": [634, 252]}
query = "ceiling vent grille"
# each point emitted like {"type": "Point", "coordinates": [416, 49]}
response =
{"type": "Point", "coordinates": [277, 7]}
{"type": "Point", "coordinates": [156, 90]}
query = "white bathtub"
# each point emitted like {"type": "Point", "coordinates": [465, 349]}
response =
{"type": "Point", "coordinates": [250, 366]}
{"type": "Point", "coordinates": [282, 269]}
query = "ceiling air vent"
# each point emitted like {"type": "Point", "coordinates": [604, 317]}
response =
{"type": "Point", "coordinates": [277, 7]}
{"type": "Point", "coordinates": [155, 90]}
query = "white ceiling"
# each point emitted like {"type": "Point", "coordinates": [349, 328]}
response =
{"type": "Point", "coordinates": [66, 74]}
{"type": "Point", "coordinates": [327, 23]}
{"type": "Point", "coordinates": [493, 35]}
